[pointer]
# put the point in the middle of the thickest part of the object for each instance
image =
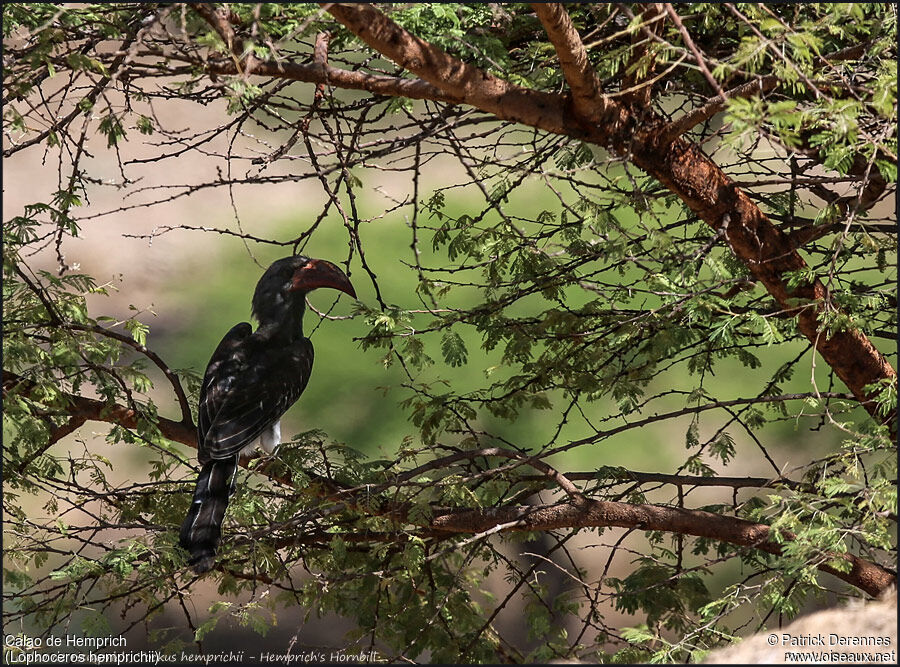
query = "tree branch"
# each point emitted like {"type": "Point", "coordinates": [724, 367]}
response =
{"type": "Point", "coordinates": [716, 104]}
{"type": "Point", "coordinates": [57, 321]}
{"type": "Point", "coordinates": [636, 89]}
{"type": "Point", "coordinates": [82, 409]}
{"type": "Point", "coordinates": [587, 96]}
{"type": "Point", "coordinates": [388, 86]}
{"type": "Point", "coordinates": [624, 476]}
{"type": "Point", "coordinates": [464, 82]}
{"type": "Point", "coordinates": [89, 99]}
{"type": "Point", "coordinates": [679, 165]}
{"type": "Point", "coordinates": [319, 72]}
{"type": "Point", "coordinates": [698, 57]}
{"type": "Point", "coordinates": [218, 19]}
{"type": "Point", "coordinates": [865, 575]}
{"type": "Point", "coordinates": [769, 255]}
{"type": "Point", "coordinates": [578, 512]}
{"type": "Point", "coordinates": [761, 85]}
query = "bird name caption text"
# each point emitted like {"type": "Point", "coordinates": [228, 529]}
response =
{"type": "Point", "coordinates": [22, 649]}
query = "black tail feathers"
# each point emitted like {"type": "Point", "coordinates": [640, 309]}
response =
{"type": "Point", "coordinates": [201, 529]}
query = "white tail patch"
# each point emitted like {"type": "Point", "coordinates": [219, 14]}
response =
{"type": "Point", "coordinates": [268, 440]}
{"type": "Point", "coordinates": [271, 437]}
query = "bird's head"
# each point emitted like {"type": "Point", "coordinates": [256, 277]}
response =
{"type": "Point", "coordinates": [285, 284]}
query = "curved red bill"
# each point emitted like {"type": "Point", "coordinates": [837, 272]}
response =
{"type": "Point", "coordinates": [321, 273]}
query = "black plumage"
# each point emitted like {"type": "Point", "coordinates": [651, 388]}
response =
{"type": "Point", "coordinates": [250, 381]}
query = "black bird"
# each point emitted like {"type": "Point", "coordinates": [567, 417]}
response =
{"type": "Point", "coordinates": [251, 380]}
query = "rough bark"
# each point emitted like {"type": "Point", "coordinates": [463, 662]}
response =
{"type": "Point", "coordinates": [679, 165]}
{"type": "Point", "coordinates": [871, 578]}
{"type": "Point", "coordinates": [81, 409]}
{"type": "Point", "coordinates": [767, 252]}
{"type": "Point", "coordinates": [586, 90]}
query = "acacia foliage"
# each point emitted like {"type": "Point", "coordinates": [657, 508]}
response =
{"type": "Point", "coordinates": [608, 309]}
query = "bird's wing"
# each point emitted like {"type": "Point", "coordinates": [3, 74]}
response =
{"type": "Point", "coordinates": [251, 393]}
{"type": "Point", "coordinates": [223, 366]}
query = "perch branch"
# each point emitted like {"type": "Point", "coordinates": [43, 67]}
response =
{"type": "Point", "coordinates": [578, 512]}
{"type": "Point", "coordinates": [868, 576]}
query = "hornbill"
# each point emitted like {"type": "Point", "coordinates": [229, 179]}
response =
{"type": "Point", "coordinates": [251, 380]}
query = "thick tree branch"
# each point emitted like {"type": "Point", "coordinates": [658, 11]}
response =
{"type": "Point", "coordinates": [867, 576]}
{"type": "Point", "coordinates": [769, 254]}
{"type": "Point", "coordinates": [464, 82]}
{"type": "Point", "coordinates": [679, 165]}
{"type": "Point", "coordinates": [82, 409]}
{"type": "Point", "coordinates": [587, 97]}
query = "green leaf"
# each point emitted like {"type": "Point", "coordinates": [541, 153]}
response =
{"type": "Point", "coordinates": [454, 349]}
